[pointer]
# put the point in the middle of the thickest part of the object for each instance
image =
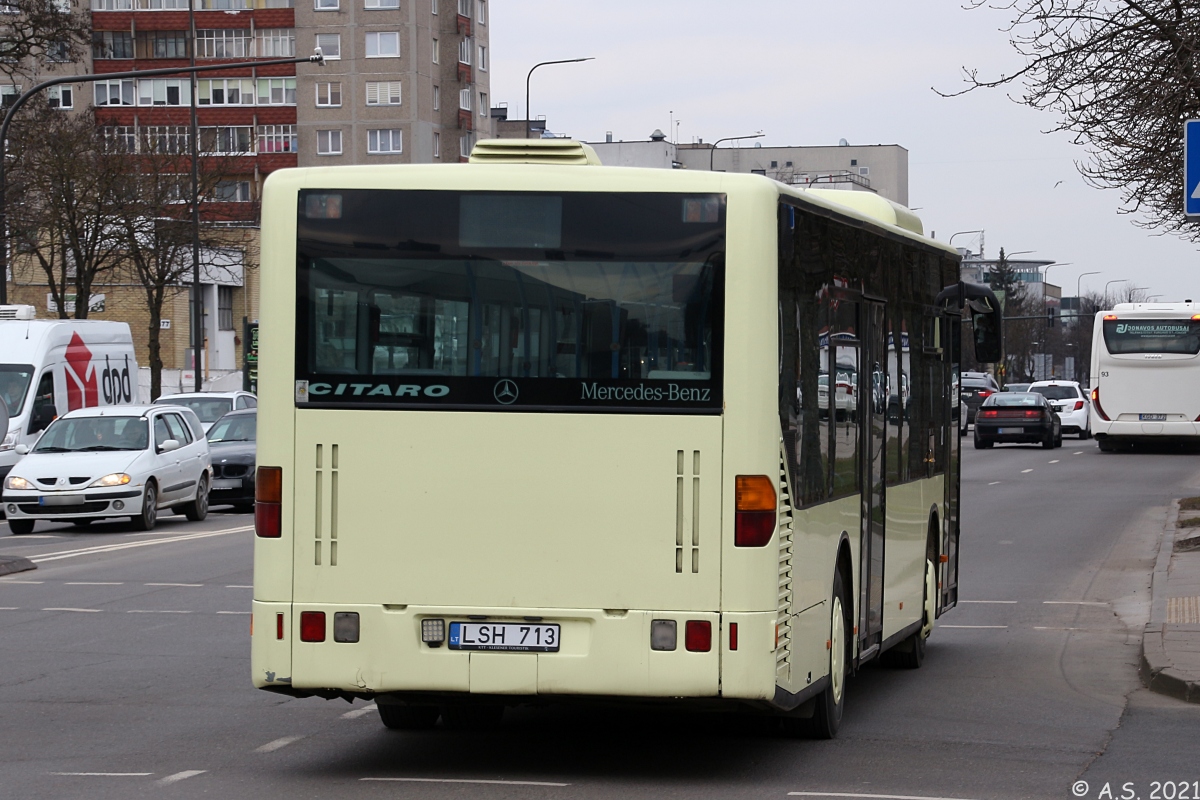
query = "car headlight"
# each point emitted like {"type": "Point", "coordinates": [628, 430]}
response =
{"type": "Point", "coordinates": [116, 479]}
{"type": "Point", "coordinates": [10, 440]}
{"type": "Point", "coordinates": [17, 483]}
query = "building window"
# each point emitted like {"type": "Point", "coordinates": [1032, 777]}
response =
{"type": "Point", "coordinates": [382, 4]}
{"type": "Point", "coordinates": [437, 52]}
{"type": "Point", "coordinates": [464, 8]}
{"type": "Point", "coordinates": [481, 11]}
{"type": "Point", "coordinates": [482, 59]}
{"type": "Point", "coordinates": [164, 139]}
{"type": "Point", "coordinates": [112, 44]}
{"type": "Point", "coordinates": [225, 92]}
{"type": "Point", "coordinates": [437, 145]}
{"type": "Point", "coordinates": [437, 98]}
{"type": "Point", "coordinates": [224, 5]}
{"type": "Point", "coordinates": [115, 93]}
{"type": "Point", "coordinates": [464, 146]}
{"type": "Point", "coordinates": [223, 43]}
{"type": "Point", "coordinates": [383, 93]}
{"type": "Point", "coordinates": [483, 104]}
{"type": "Point", "coordinates": [162, 5]}
{"type": "Point", "coordinates": [277, 91]}
{"type": "Point", "coordinates": [329, 94]}
{"type": "Point", "coordinates": [225, 298]}
{"type": "Point", "coordinates": [276, 43]}
{"type": "Point", "coordinates": [464, 51]}
{"type": "Point", "coordinates": [227, 140]}
{"type": "Point", "coordinates": [276, 138]}
{"type": "Point", "coordinates": [120, 138]}
{"type": "Point", "coordinates": [164, 92]}
{"type": "Point", "coordinates": [112, 5]}
{"type": "Point", "coordinates": [464, 99]}
{"type": "Point", "coordinates": [329, 143]}
{"type": "Point", "coordinates": [385, 141]}
{"type": "Point", "coordinates": [161, 44]}
{"type": "Point", "coordinates": [230, 191]}
{"type": "Point", "coordinates": [58, 52]}
{"type": "Point", "coordinates": [383, 44]}
{"type": "Point", "coordinates": [325, 5]}
{"type": "Point", "coordinates": [331, 45]}
{"type": "Point", "coordinates": [61, 97]}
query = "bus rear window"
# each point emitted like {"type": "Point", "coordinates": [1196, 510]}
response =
{"type": "Point", "coordinates": [509, 302]}
{"type": "Point", "coordinates": [1180, 336]}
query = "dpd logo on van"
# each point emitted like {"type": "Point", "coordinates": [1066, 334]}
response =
{"type": "Point", "coordinates": [82, 391]}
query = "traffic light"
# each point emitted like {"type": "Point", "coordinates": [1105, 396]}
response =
{"type": "Point", "coordinates": [1050, 317]}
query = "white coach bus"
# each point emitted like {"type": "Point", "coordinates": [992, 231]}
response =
{"type": "Point", "coordinates": [1146, 374]}
{"type": "Point", "coordinates": [533, 429]}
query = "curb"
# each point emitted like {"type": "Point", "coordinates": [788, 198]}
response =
{"type": "Point", "coordinates": [1154, 668]}
{"type": "Point", "coordinates": [11, 564]}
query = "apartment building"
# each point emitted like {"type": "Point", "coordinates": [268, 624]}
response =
{"type": "Point", "coordinates": [405, 81]}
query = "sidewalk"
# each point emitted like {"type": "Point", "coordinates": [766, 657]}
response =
{"type": "Point", "coordinates": [1171, 642]}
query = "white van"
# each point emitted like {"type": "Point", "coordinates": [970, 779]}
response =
{"type": "Point", "coordinates": [51, 366]}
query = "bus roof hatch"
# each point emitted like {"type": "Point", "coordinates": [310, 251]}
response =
{"type": "Point", "coordinates": [566, 152]}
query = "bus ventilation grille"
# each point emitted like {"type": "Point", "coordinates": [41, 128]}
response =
{"type": "Point", "coordinates": [687, 512]}
{"type": "Point", "coordinates": [326, 497]}
{"type": "Point", "coordinates": [564, 152]}
{"type": "Point", "coordinates": [783, 619]}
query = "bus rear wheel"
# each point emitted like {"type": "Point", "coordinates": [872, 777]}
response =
{"type": "Point", "coordinates": [408, 718]}
{"type": "Point", "coordinates": [827, 714]}
{"type": "Point", "coordinates": [472, 717]}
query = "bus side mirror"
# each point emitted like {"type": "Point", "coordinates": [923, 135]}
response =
{"type": "Point", "coordinates": [988, 334]}
{"type": "Point", "coordinates": [987, 317]}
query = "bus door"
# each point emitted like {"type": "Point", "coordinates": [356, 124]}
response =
{"type": "Point", "coordinates": [951, 322]}
{"type": "Point", "coordinates": [873, 400]}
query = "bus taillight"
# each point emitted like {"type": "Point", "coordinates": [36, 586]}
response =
{"type": "Point", "coordinates": [1096, 403]}
{"type": "Point", "coordinates": [268, 499]}
{"type": "Point", "coordinates": [756, 511]}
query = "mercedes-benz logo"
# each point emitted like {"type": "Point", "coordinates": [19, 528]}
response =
{"type": "Point", "coordinates": [505, 392]}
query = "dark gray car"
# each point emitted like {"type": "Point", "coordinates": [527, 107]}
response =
{"type": "Point", "coordinates": [977, 387]}
{"type": "Point", "coordinates": [232, 440]}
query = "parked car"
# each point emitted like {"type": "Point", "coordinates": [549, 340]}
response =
{"type": "Point", "coordinates": [1016, 387]}
{"type": "Point", "coordinates": [116, 461]}
{"type": "Point", "coordinates": [1017, 417]}
{"type": "Point", "coordinates": [844, 401]}
{"type": "Point", "coordinates": [232, 440]}
{"type": "Point", "coordinates": [210, 406]}
{"type": "Point", "coordinates": [977, 387]}
{"type": "Point", "coordinates": [1071, 402]}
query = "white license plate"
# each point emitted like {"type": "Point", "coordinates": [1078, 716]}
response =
{"type": "Point", "coordinates": [62, 500]}
{"type": "Point", "coordinates": [227, 483]}
{"type": "Point", "coordinates": [1003, 431]}
{"type": "Point", "coordinates": [1152, 417]}
{"type": "Point", "coordinates": [517, 637]}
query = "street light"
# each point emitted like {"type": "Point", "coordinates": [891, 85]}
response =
{"type": "Point", "coordinates": [1110, 283]}
{"type": "Point", "coordinates": [528, 75]}
{"type": "Point", "coordinates": [1078, 302]}
{"type": "Point", "coordinates": [960, 233]}
{"type": "Point", "coordinates": [713, 151]}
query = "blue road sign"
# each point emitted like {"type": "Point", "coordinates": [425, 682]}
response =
{"type": "Point", "coordinates": [1191, 167]}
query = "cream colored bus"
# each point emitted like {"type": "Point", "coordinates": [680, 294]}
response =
{"type": "Point", "coordinates": [535, 429]}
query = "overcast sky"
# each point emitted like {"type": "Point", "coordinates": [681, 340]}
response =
{"type": "Point", "coordinates": [811, 72]}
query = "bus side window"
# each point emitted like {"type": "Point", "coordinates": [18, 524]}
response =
{"type": "Point", "coordinates": [45, 409]}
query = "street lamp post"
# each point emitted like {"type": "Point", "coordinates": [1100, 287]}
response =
{"type": "Point", "coordinates": [1079, 310]}
{"type": "Point", "coordinates": [528, 75]}
{"type": "Point", "coordinates": [1110, 283]}
{"type": "Point", "coordinates": [711, 152]}
{"type": "Point", "coordinates": [25, 96]}
{"type": "Point", "coordinates": [950, 242]}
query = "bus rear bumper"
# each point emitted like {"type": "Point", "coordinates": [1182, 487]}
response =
{"type": "Point", "coordinates": [1132, 430]}
{"type": "Point", "coordinates": [603, 653]}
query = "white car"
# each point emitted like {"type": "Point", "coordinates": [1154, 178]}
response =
{"type": "Point", "coordinates": [844, 403]}
{"type": "Point", "coordinates": [210, 406]}
{"type": "Point", "coordinates": [1071, 402]}
{"type": "Point", "coordinates": [116, 461]}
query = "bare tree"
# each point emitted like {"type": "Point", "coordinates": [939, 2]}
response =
{"type": "Point", "coordinates": [31, 29]}
{"type": "Point", "coordinates": [1121, 75]}
{"type": "Point", "coordinates": [61, 202]}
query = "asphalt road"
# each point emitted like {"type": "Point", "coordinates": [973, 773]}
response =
{"type": "Point", "coordinates": [124, 673]}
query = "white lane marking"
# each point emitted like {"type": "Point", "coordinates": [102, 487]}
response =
{"type": "Point", "coordinates": [1055, 461]}
{"type": "Point", "coordinates": [1026, 470]}
{"type": "Point", "coordinates": [154, 611]}
{"type": "Point", "coordinates": [9, 608]}
{"type": "Point", "coordinates": [84, 610]}
{"type": "Point", "coordinates": [466, 780]}
{"type": "Point", "coordinates": [1077, 453]}
{"type": "Point", "coordinates": [871, 796]}
{"type": "Point", "coordinates": [972, 626]}
{"type": "Point", "coordinates": [179, 776]}
{"type": "Point", "coordinates": [239, 586]}
{"type": "Point", "coordinates": [271, 747]}
{"type": "Point", "coordinates": [94, 583]}
{"type": "Point", "coordinates": [1051, 628]}
{"type": "Point", "coordinates": [30, 583]}
{"type": "Point", "coordinates": [108, 548]}
{"type": "Point", "coordinates": [233, 612]}
{"type": "Point", "coordinates": [1006, 602]}
{"type": "Point", "coordinates": [172, 584]}
{"type": "Point", "coordinates": [40, 536]}
{"type": "Point", "coordinates": [993, 483]}
{"type": "Point", "coordinates": [106, 774]}
{"type": "Point", "coordinates": [1071, 603]}
{"type": "Point", "coordinates": [358, 712]}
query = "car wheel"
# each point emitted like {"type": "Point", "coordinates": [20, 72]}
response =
{"type": "Point", "coordinates": [197, 510]}
{"type": "Point", "coordinates": [1085, 434]}
{"type": "Point", "coordinates": [20, 526]}
{"type": "Point", "coordinates": [1105, 446]}
{"type": "Point", "coordinates": [1048, 442]}
{"type": "Point", "coordinates": [145, 520]}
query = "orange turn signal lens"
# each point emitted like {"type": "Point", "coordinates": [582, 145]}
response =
{"type": "Point", "coordinates": [1110, 316]}
{"type": "Point", "coordinates": [268, 485]}
{"type": "Point", "coordinates": [755, 493]}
